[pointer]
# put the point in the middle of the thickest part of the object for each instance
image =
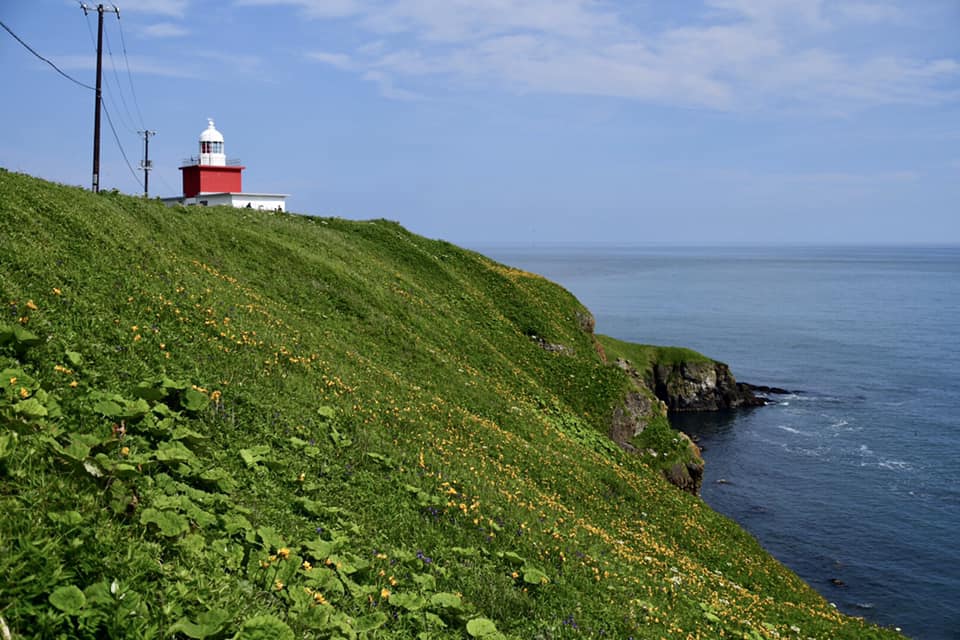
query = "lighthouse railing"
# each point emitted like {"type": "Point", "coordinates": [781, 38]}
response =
{"type": "Point", "coordinates": [195, 160]}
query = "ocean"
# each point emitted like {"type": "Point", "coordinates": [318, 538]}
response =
{"type": "Point", "coordinates": [853, 479]}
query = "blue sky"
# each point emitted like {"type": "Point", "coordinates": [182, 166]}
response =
{"type": "Point", "coordinates": [521, 121]}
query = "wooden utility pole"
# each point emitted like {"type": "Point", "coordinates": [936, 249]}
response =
{"type": "Point", "coordinates": [99, 91]}
{"type": "Point", "coordinates": [146, 165]}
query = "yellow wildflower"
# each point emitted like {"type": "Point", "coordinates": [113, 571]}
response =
{"type": "Point", "coordinates": [384, 593]}
{"type": "Point", "coordinates": [283, 552]}
{"type": "Point", "coordinates": [278, 585]}
{"type": "Point", "coordinates": [23, 392]}
{"type": "Point", "coordinates": [125, 451]}
{"type": "Point", "coordinates": [307, 566]}
{"type": "Point", "coordinates": [137, 338]}
{"type": "Point", "coordinates": [13, 381]}
{"type": "Point", "coordinates": [56, 291]}
{"type": "Point", "coordinates": [392, 581]}
{"type": "Point", "coordinates": [73, 384]}
{"type": "Point", "coordinates": [318, 597]}
{"type": "Point", "coordinates": [30, 305]}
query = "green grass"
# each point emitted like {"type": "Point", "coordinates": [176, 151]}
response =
{"type": "Point", "coordinates": [644, 357]}
{"type": "Point", "coordinates": [218, 422]}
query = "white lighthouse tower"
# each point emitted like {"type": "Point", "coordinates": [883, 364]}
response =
{"type": "Point", "coordinates": [210, 179]}
{"type": "Point", "coordinates": [211, 146]}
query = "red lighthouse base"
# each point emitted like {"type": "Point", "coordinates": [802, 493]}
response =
{"type": "Point", "coordinates": [200, 178]}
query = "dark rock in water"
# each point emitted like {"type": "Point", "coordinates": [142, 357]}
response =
{"type": "Point", "coordinates": [761, 388]}
{"type": "Point", "coordinates": [837, 582]}
{"type": "Point", "coordinates": [701, 386]}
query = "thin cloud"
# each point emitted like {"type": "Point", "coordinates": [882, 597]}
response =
{"type": "Point", "coordinates": [738, 55]}
{"type": "Point", "coordinates": [315, 9]}
{"type": "Point", "coordinates": [165, 30]}
{"type": "Point", "coordinates": [138, 65]}
{"type": "Point", "coordinates": [172, 8]}
{"type": "Point", "coordinates": [337, 60]}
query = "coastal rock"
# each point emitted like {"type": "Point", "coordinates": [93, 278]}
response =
{"type": "Point", "coordinates": [631, 418]}
{"type": "Point", "coordinates": [688, 475]}
{"type": "Point", "coordinates": [701, 386]}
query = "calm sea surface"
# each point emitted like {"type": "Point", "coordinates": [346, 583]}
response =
{"type": "Point", "coordinates": [853, 481]}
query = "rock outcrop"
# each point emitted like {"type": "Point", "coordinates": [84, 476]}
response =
{"type": "Point", "coordinates": [701, 386]}
{"type": "Point", "coordinates": [687, 475]}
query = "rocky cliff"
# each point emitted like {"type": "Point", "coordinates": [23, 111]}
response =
{"type": "Point", "coordinates": [701, 386]}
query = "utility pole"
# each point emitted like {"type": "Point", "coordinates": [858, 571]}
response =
{"type": "Point", "coordinates": [146, 165]}
{"type": "Point", "coordinates": [99, 92]}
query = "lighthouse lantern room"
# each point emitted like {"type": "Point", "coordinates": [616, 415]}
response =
{"type": "Point", "coordinates": [211, 179]}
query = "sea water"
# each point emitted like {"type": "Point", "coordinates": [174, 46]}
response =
{"type": "Point", "coordinates": [853, 479]}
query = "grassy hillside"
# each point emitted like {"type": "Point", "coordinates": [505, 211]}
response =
{"type": "Point", "coordinates": [218, 422]}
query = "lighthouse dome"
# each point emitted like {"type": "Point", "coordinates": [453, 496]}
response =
{"type": "Point", "coordinates": [210, 134]}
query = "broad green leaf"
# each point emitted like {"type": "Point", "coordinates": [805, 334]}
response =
{"type": "Point", "coordinates": [174, 452]}
{"type": "Point", "coordinates": [265, 627]}
{"type": "Point", "coordinates": [319, 549]}
{"type": "Point", "coordinates": [69, 518]}
{"type": "Point", "coordinates": [370, 622]}
{"type": "Point", "coordinates": [134, 410]}
{"type": "Point", "coordinates": [220, 478]}
{"type": "Point", "coordinates": [271, 539]}
{"type": "Point", "coordinates": [425, 581]}
{"type": "Point", "coordinates": [107, 408]}
{"type": "Point", "coordinates": [69, 599]}
{"type": "Point", "coordinates": [533, 575]}
{"type": "Point", "coordinates": [326, 412]}
{"type": "Point", "coordinates": [23, 339]}
{"type": "Point", "coordinates": [234, 522]}
{"type": "Point", "coordinates": [148, 391]}
{"type": "Point", "coordinates": [169, 523]}
{"type": "Point", "coordinates": [481, 627]}
{"type": "Point", "coordinates": [30, 408]}
{"type": "Point", "coordinates": [74, 358]}
{"type": "Point", "coordinates": [408, 601]}
{"type": "Point", "coordinates": [208, 623]}
{"type": "Point", "coordinates": [7, 443]}
{"type": "Point", "coordinates": [193, 400]}
{"type": "Point", "coordinates": [445, 600]}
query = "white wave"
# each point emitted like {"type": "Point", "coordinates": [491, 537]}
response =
{"type": "Point", "coordinates": [792, 430]}
{"type": "Point", "coordinates": [895, 465]}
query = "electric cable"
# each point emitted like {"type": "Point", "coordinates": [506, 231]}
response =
{"type": "Point", "coordinates": [123, 43]}
{"type": "Point", "coordinates": [55, 67]}
{"type": "Point", "coordinates": [136, 178]}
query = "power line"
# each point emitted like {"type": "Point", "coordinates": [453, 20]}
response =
{"type": "Point", "coordinates": [123, 43]}
{"type": "Point", "coordinates": [122, 152]}
{"type": "Point", "coordinates": [55, 67]}
{"type": "Point", "coordinates": [128, 120]}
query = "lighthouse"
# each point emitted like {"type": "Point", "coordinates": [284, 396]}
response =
{"type": "Point", "coordinates": [210, 179]}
